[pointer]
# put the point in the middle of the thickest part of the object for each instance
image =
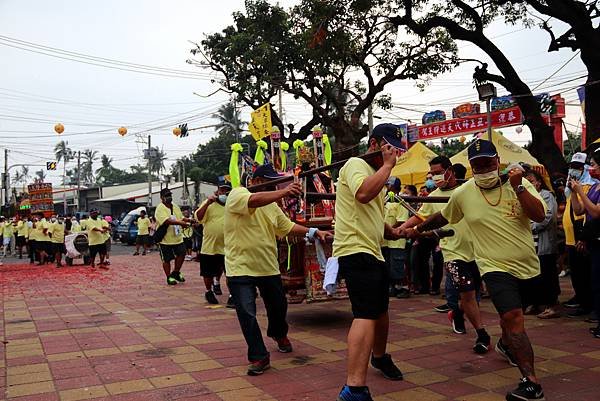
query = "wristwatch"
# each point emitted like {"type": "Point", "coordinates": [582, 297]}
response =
{"type": "Point", "coordinates": [519, 189]}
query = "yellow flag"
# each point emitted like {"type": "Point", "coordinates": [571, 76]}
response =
{"type": "Point", "coordinates": [260, 124]}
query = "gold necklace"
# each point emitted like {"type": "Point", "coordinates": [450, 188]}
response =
{"type": "Point", "coordinates": [486, 199]}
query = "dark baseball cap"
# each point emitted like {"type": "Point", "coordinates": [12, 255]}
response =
{"type": "Point", "coordinates": [481, 148]}
{"type": "Point", "coordinates": [391, 133]}
{"type": "Point", "coordinates": [266, 171]}
{"type": "Point", "coordinates": [165, 192]}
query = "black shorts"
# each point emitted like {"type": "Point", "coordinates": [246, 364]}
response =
{"type": "Point", "coordinates": [367, 281]}
{"type": "Point", "coordinates": [211, 265]}
{"type": "Point", "coordinates": [143, 240]}
{"type": "Point", "coordinates": [188, 243]}
{"type": "Point", "coordinates": [464, 275]}
{"type": "Point", "coordinates": [170, 252]}
{"type": "Point", "coordinates": [21, 241]}
{"type": "Point", "coordinates": [59, 248]}
{"type": "Point", "coordinates": [43, 246]}
{"type": "Point", "coordinates": [97, 249]}
{"type": "Point", "coordinates": [509, 292]}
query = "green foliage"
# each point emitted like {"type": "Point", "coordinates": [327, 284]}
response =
{"type": "Point", "coordinates": [109, 175]}
{"type": "Point", "coordinates": [336, 56]}
{"type": "Point", "coordinates": [449, 148]}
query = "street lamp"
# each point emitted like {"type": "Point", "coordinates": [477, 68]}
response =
{"type": "Point", "coordinates": [486, 92]}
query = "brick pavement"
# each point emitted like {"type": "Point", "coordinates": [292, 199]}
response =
{"type": "Point", "coordinates": [73, 334]}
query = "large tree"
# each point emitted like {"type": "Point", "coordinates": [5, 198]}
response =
{"type": "Point", "coordinates": [323, 53]}
{"type": "Point", "coordinates": [583, 34]}
{"type": "Point", "coordinates": [466, 20]}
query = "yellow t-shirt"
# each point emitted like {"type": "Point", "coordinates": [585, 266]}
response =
{"type": "Point", "coordinates": [94, 237]}
{"type": "Point", "coordinates": [7, 230]}
{"type": "Point", "coordinates": [106, 235]}
{"type": "Point", "coordinates": [502, 239]}
{"type": "Point", "coordinates": [58, 232]}
{"type": "Point", "coordinates": [250, 236]}
{"type": "Point", "coordinates": [174, 234]}
{"type": "Point", "coordinates": [358, 227]}
{"type": "Point", "coordinates": [213, 237]}
{"type": "Point", "coordinates": [394, 213]}
{"type": "Point", "coordinates": [460, 245]}
{"type": "Point", "coordinates": [568, 222]}
{"type": "Point", "coordinates": [39, 228]}
{"type": "Point", "coordinates": [143, 225]}
{"type": "Point", "coordinates": [22, 229]}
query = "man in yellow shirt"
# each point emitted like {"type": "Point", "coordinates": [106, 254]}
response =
{"type": "Point", "coordinates": [22, 234]}
{"type": "Point", "coordinates": [143, 235]}
{"type": "Point", "coordinates": [170, 220]}
{"type": "Point", "coordinates": [42, 242]}
{"type": "Point", "coordinates": [96, 238]}
{"type": "Point", "coordinates": [462, 273]}
{"type": "Point", "coordinates": [394, 250]}
{"type": "Point", "coordinates": [360, 229]}
{"type": "Point", "coordinates": [57, 233]}
{"type": "Point", "coordinates": [498, 211]}
{"type": "Point", "coordinates": [252, 223]}
{"type": "Point", "coordinates": [212, 254]}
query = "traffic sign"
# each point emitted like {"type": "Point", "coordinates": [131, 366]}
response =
{"type": "Point", "coordinates": [51, 165]}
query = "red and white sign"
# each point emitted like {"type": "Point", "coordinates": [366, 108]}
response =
{"type": "Point", "coordinates": [470, 124]}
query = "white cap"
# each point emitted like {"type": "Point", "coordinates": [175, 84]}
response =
{"type": "Point", "coordinates": [579, 157]}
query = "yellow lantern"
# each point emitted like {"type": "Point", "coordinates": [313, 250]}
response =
{"type": "Point", "coordinates": [59, 128]}
{"type": "Point", "coordinates": [176, 131]}
{"type": "Point", "coordinates": [122, 131]}
{"type": "Point", "coordinates": [462, 139]}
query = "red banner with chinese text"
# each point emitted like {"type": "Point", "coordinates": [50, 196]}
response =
{"type": "Point", "coordinates": [470, 124]}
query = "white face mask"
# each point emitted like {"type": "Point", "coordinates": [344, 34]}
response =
{"type": "Point", "coordinates": [439, 179]}
{"type": "Point", "coordinates": [222, 199]}
{"type": "Point", "coordinates": [487, 180]}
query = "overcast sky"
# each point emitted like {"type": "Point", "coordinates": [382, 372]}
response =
{"type": "Point", "coordinates": [37, 91]}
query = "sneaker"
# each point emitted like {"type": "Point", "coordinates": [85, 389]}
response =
{"type": "Point", "coordinates": [527, 390]}
{"type": "Point", "coordinates": [482, 344]}
{"type": "Point", "coordinates": [563, 273]}
{"type": "Point", "coordinates": [210, 298]}
{"type": "Point", "coordinates": [571, 303]}
{"type": "Point", "coordinates": [387, 367]}
{"type": "Point", "coordinates": [578, 313]}
{"type": "Point", "coordinates": [136, 253]}
{"type": "Point", "coordinates": [442, 308]}
{"type": "Point", "coordinates": [144, 253]}
{"type": "Point", "coordinates": [393, 292]}
{"type": "Point", "coordinates": [178, 276]}
{"type": "Point", "coordinates": [549, 313]}
{"type": "Point", "coordinates": [434, 292]}
{"type": "Point", "coordinates": [217, 289]}
{"type": "Point", "coordinates": [284, 345]}
{"type": "Point", "coordinates": [595, 331]}
{"type": "Point", "coordinates": [230, 303]}
{"type": "Point", "coordinates": [403, 293]}
{"type": "Point", "coordinates": [457, 320]}
{"type": "Point", "coordinates": [257, 368]}
{"type": "Point", "coordinates": [171, 281]}
{"type": "Point", "coordinates": [188, 258]}
{"type": "Point", "coordinates": [503, 351]}
{"type": "Point", "coordinates": [592, 319]}
{"type": "Point", "coordinates": [347, 395]}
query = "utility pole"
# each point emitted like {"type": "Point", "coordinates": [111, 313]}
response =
{"type": "Point", "coordinates": [65, 157]}
{"type": "Point", "coordinates": [370, 118]}
{"type": "Point", "coordinates": [78, 176]}
{"type": "Point", "coordinates": [5, 179]}
{"type": "Point", "coordinates": [149, 175]}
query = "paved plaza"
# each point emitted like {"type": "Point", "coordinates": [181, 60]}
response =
{"type": "Point", "coordinates": [76, 334]}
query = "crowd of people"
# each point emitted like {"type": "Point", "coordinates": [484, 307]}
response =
{"type": "Point", "coordinates": [42, 239]}
{"type": "Point", "coordinates": [505, 235]}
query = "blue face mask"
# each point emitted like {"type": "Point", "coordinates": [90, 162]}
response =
{"type": "Point", "coordinates": [575, 173]}
{"type": "Point", "coordinates": [430, 184]}
{"type": "Point", "coordinates": [222, 199]}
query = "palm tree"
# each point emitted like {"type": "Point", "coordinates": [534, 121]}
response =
{"type": "Point", "coordinates": [22, 176]}
{"type": "Point", "coordinates": [41, 175]}
{"type": "Point", "coordinates": [87, 168]}
{"type": "Point", "coordinates": [229, 123]}
{"type": "Point", "coordinates": [157, 163]}
{"type": "Point", "coordinates": [63, 152]}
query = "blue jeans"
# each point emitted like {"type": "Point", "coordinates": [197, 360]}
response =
{"type": "Point", "coordinates": [243, 292]}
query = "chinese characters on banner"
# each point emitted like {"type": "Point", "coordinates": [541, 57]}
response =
{"type": "Point", "coordinates": [260, 124]}
{"type": "Point", "coordinates": [470, 124]}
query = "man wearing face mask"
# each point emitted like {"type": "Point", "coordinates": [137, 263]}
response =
{"type": "Point", "coordinates": [171, 245]}
{"type": "Point", "coordinates": [212, 254]}
{"type": "Point", "coordinates": [463, 280]}
{"type": "Point", "coordinates": [579, 258]}
{"type": "Point", "coordinates": [360, 229]}
{"type": "Point", "coordinates": [498, 211]}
